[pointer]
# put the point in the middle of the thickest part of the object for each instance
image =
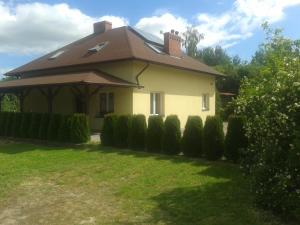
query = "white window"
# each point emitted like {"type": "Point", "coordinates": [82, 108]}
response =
{"type": "Point", "coordinates": [98, 47]}
{"type": "Point", "coordinates": [56, 54]}
{"type": "Point", "coordinates": [205, 102]}
{"type": "Point", "coordinates": [106, 103]}
{"type": "Point", "coordinates": [156, 103]}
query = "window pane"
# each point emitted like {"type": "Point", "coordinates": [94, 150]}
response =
{"type": "Point", "coordinates": [151, 103]}
{"type": "Point", "coordinates": [102, 104]}
{"type": "Point", "coordinates": [157, 103]}
{"type": "Point", "coordinates": [111, 102]}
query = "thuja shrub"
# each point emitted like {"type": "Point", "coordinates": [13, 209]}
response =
{"type": "Point", "coordinates": [213, 138]}
{"type": "Point", "coordinates": [80, 129]}
{"type": "Point", "coordinates": [44, 123]}
{"type": "Point", "coordinates": [172, 135]}
{"type": "Point", "coordinates": [192, 137]}
{"type": "Point", "coordinates": [137, 133]}
{"type": "Point", "coordinates": [121, 134]}
{"type": "Point", "coordinates": [52, 132]}
{"type": "Point", "coordinates": [235, 141]}
{"type": "Point", "coordinates": [64, 131]}
{"type": "Point", "coordinates": [16, 125]}
{"type": "Point", "coordinates": [108, 129]}
{"type": "Point", "coordinates": [35, 125]}
{"type": "Point", "coordinates": [25, 125]}
{"type": "Point", "coordinates": [155, 133]}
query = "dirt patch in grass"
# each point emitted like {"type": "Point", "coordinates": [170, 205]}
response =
{"type": "Point", "coordinates": [41, 201]}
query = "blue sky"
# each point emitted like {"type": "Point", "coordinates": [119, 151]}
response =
{"type": "Point", "coordinates": [29, 29]}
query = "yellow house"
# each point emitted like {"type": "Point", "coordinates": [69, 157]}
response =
{"type": "Point", "coordinates": [122, 71]}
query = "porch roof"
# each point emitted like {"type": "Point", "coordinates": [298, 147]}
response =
{"type": "Point", "coordinates": [86, 77]}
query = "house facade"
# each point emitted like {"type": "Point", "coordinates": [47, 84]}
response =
{"type": "Point", "coordinates": [122, 71]}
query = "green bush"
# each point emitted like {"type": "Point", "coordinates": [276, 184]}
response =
{"type": "Point", "coordinates": [52, 132]}
{"type": "Point", "coordinates": [235, 140]}
{"type": "Point", "coordinates": [35, 125]}
{"type": "Point", "coordinates": [172, 135]}
{"type": "Point", "coordinates": [25, 125]}
{"type": "Point", "coordinates": [192, 137]}
{"type": "Point", "coordinates": [80, 129]}
{"type": "Point", "coordinates": [16, 125]}
{"type": "Point", "coordinates": [107, 132]}
{"type": "Point", "coordinates": [121, 134]}
{"type": "Point", "coordinates": [8, 123]}
{"type": "Point", "coordinates": [155, 132]}
{"type": "Point", "coordinates": [64, 131]}
{"type": "Point", "coordinates": [137, 133]}
{"type": "Point", "coordinates": [2, 123]}
{"type": "Point", "coordinates": [213, 138]}
{"type": "Point", "coordinates": [43, 129]}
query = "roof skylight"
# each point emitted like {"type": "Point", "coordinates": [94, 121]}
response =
{"type": "Point", "coordinates": [56, 54]}
{"type": "Point", "coordinates": [98, 47]}
{"type": "Point", "coordinates": [156, 48]}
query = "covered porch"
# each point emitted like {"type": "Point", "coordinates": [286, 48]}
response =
{"type": "Point", "coordinates": [91, 92]}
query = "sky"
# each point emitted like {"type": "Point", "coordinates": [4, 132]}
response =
{"type": "Point", "coordinates": [30, 29]}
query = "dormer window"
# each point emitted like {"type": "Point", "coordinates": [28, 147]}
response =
{"type": "Point", "coordinates": [56, 54]}
{"type": "Point", "coordinates": [155, 48]}
{"type": "Point", "coordinates": [98, 47]}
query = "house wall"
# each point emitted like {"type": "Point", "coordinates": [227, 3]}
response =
{"type": "Point", "coordinates": [182, 91]}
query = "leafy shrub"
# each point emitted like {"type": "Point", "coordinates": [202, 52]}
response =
{"type": "Point", "coordinates": [121, 134]}
{"type": "Point", "coordinates": [192, 137]}
{"type": "Point", "coordinates": [137, 133]}
{"type": "Point", "coordinates": [43, 129]}
{"type": "Point", "coordinates": [25, 125]}
{"type": "Point", "coordinates": [270, 104]}
{"type": "Point", "coordinates": [172, 135]}
{"type": "Point", "coordinates": [80, 129]}
{"type": "Point", "coordinates": [54, 123]}
{"type": "Point", "coordinates": [107, 132]}
{"type": "Point", "coordinates": [235, 140]}
{"type": "Point", "coordinates": [213, 138]}
{"type": "Point", "coordinates": [35, 125]}
{"type": "Point", "coordinates": [16, 125]}
{"type": "Point", "coordinates": [155, 133]}
{"type": "Point", "coordinates": [64, 131]}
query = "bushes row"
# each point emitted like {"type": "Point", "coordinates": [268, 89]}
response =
{"type": "Point", "coordinates": [53, 127]}
{"type": "Point", "coordinates": [131, 131]}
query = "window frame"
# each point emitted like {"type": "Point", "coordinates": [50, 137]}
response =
{"type": "Point", "coordinates": [153, 105]}
{"type": "Point", "coordinates": [109, 103]}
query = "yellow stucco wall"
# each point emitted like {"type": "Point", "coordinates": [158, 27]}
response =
{"type": "Point", "coordinates": [182, 91]}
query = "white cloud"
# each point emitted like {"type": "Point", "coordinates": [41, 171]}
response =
{"type": "Point", "coordinates": [28, 28]}
{"type": "Point", "coordinates": [164, 22]}
{"type": "Point", "coordinates": [3, 71]}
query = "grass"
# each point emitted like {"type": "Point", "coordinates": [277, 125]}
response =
{"type": "Point", "coordinates": [94, 185]}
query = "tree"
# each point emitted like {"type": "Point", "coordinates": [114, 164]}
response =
{"type": "Point", "coordinates": [192, 38]}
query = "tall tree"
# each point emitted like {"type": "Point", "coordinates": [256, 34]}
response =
{"type": "Point", "coordinates": [192, 38]}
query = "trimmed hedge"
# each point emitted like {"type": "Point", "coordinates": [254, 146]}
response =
{"type": "Point", "coordinates": [54, 127]}
{"type": "Point", "coordinates": [16, 125]}
{"type": "Point", "coordinates": [191, 143]}
{"type": "Point", "coordinates": [137, 132]}
{"type": "Point", "coordinates": [43, 130]}
{"type": "Point", "coordinates": [35, 125]}
{"type": "Point", "coordinates": [80, 129]}
{"type": "Point", "coordinates": [172, 134]}
{"type": "Point", "coordinates": [54, 123]}
{"type": "Point", "coordinates": [235, 139]}
{"type": "Point", "coordinates": [121, 134]}
{"type": "Point", "coordinates": [213, 138]}
{"type": "Point", "coordinates": [25, 125]}
{"type": "Point", "coordinates": [64, 129]}
{"type": "Point", "coordinates": [107, 132]}
{"type": "Point", "coordinates": [155, 133]}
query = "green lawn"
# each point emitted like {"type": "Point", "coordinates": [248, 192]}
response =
{"type": "Point", "coordinates": [93, 185]}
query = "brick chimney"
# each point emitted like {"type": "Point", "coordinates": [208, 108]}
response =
{"type": "Point", "coordinates": [101, 27]}
{"type": "Point", "coordinates": [172, 43]}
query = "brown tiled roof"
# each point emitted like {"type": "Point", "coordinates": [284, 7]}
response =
{"type": "Point", "coordinates": [89, 77]}
{"type": "Point", "coordinates": [123, 43]}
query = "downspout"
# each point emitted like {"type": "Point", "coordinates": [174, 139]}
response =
{"type": "Point", "coordinates": [140, 73]}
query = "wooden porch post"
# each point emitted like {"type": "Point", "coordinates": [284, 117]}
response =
{"type": "Point", "coordinates": [50, 94]}
{"type": "Point", "coordinates": [87, 99]}
{"type": "Point", "coordinates": [22, 95]}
